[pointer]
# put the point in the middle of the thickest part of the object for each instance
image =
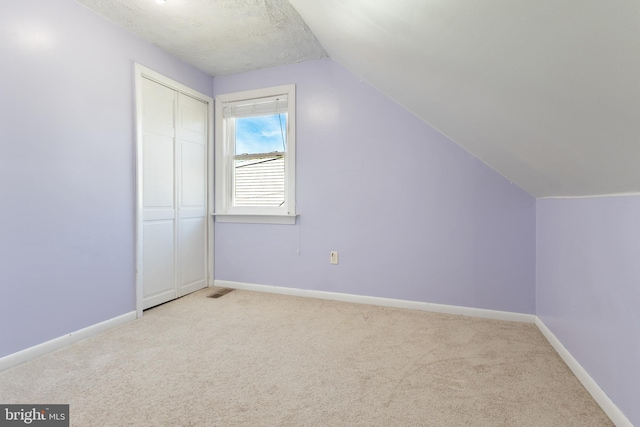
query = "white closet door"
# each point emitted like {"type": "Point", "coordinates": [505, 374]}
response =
{"type": "Point", "coordinates": [174, 199]}
{"type": "Point", "coordinates": [192, 194]}
{"type": "Point", "coordinates": [158, 200]}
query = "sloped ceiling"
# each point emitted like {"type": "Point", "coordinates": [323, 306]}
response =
{"type": "Point", "coordinates": [218, 36]}
{"type": "Point", "coordinates": [546, 92]}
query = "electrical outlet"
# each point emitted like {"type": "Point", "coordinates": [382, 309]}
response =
{"type": "Point", "coordinates": [334, 257]}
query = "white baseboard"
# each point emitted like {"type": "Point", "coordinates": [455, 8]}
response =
{"type": "Point", "coordinates": [599, 395]}
{"type": "Point", "coordinates": [30, 353]}
{"type": "Point", "coordinates": [385, 302]}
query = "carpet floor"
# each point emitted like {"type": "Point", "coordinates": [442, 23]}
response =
{"type": "Point", "coordinates": [255, 359]}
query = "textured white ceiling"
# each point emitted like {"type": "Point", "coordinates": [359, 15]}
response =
{"type": "Point", "coordinates": [546, 92]}
{"type": "Point", "coordinates": [218, 36]}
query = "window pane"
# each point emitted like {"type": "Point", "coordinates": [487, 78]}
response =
{"type": "Point", "coordinates": [261, 134]}
{"type": "Point", "coordinates": [259, 181]}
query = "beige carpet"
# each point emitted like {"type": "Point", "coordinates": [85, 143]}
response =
{"type": "Point", "coordinates": [253, 359]}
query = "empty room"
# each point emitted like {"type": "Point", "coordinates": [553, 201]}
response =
{"type": "Point", "coordinates": [324, 213]}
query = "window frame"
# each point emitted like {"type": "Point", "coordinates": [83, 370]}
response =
{"type": "Point", "coordinates": [225, 157]}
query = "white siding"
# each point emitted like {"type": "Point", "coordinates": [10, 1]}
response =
{"type": "Point", "coordinates": [259, 182]}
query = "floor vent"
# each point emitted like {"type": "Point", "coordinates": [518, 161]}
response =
{"type": "Point", "coordinates": [222, 292]}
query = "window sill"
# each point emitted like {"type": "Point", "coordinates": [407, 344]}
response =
{"type": "Point", "coordinates": [255, 219]}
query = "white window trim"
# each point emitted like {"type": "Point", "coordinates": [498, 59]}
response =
{"type": "Point", "coordinates": [224, 210]}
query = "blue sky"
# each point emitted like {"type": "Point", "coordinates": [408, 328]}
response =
{"type": "Point", "coordinates": [260, 134]}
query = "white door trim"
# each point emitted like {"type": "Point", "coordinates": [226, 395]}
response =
{"type": "Point", "coordinates": [144, 72]}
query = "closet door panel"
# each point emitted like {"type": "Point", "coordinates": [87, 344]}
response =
{"type": "Point", "coordinates": [174, 194]}
{"type": "Point", "coordinates": [158, 194]}
{"type": "Point", "coordinates": [192, 140]}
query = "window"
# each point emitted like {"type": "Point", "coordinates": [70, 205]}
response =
{"type": "Point", "coordinates": [255, 156]}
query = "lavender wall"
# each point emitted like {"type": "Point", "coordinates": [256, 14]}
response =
{"type": "Point", "coordinates": [67, 180]}
{"type": "Point", "coordinates": [588, 288]}
{"type": "Point", "coordinates": [412, 215]}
